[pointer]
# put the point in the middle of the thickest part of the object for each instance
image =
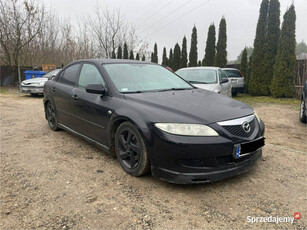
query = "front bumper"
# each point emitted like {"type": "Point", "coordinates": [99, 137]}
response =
{"type": "Point", "coordinates": [188, 160]}
{"type": "Point", "coordinates": [208, 176]}
{"type": "Point", "coordinates": [32, 89]}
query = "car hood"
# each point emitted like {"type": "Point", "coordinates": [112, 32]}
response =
{"type": "Point", "coordinates": [187, 106]}
{"type": "Point", "coordinates": [210, 87]}
{"type": "Point", "coordinates": [35, 80]}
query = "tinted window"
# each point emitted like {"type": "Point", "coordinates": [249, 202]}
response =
{"type": "Point", "coordinates": [207, 76]}
{"type": "Point", "coordinates": [233, 73]}
{"type": "Point", "coordinates": [70, 74]}
{"type": "Point", "coordinates": [143, 77]}
{"type": "Point", "coordinates": [89, 75]}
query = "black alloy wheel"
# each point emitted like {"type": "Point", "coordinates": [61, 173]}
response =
{"type": "Point", "coordinates": [51, 117]}
{"type": "Point", "coordinates": [130, 150]}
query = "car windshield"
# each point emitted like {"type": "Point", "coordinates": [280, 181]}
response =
{"type": "Point", "coordinates": [233, 73]}
{"type": "Point", "coordinates": [131, 78]}
{"type": "Point", "coordinates": [52, 73]}
{"type": "Point", "coordinates": [202, 76]}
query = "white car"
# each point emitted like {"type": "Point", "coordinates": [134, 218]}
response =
{"type": "Point", "coordinates": [36, 85]}
{"type": "Point", "coordinates": [209, 78]}
{"type": "Point", "coordinates": [237, 80]}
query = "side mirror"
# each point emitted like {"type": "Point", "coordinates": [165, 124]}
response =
{"type": "Point", "coordinates": [50, 78]}
{"type": "Point", "coordinates": [224, 80]}
{"type": "Point", "coordinates": [95, 89]}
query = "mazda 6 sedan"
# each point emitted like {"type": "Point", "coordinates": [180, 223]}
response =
{"type": "Point", "coordinates": [154, 121]}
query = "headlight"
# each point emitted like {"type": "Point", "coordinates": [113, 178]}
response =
{"type": "Point", "coordinates": [256, 115]}
{"type": "Point", "coordinates": [38, 84]}
{"type": "Point", "coordinates": [187, 129]}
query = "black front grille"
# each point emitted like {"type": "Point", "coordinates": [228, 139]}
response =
{"type": "Point", "coordinates": [237, 130]}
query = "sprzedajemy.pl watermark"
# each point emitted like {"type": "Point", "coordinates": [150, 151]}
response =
{"type": "Point", "coordinates": [273, 219]}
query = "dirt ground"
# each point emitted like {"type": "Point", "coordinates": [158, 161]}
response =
{"type": "Point", "coordinates": [55, 180]}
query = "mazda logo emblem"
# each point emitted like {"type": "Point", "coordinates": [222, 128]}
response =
{"type": "Point", "coordinates": [246, 127]}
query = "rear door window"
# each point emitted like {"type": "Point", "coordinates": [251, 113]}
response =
{"type": "Point", "coordinates": [233, 73]}
{"type": "Point", "coordinates": [70, 74]}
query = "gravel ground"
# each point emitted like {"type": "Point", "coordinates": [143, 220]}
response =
{"type": "Point", "coordinates": [55, 180]}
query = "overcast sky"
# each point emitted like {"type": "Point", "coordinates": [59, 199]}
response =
{"type": "Point", "coordinates": [167, 21]}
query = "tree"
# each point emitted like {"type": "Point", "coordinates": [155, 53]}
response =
{"type": "Point", "coordinates": [164, 57]}
{"type": "Point", "coordinates": [137, 56]}
{"type": "Point", "coordinates": [155, 54]}
{"type": "Point", "coordinates": [249, 53]}
{"type": "Point", "coordinates": [176, 57]}
{"type": "Point", "coordinates": [221, 52]}
{"type": "Point", "coordinates": [193, 56]}
{"type": "Point", "coordinates": [247, 77]}
{"type": "Point", "coordinates": [106, 28]}
{"type": "Point", "coordinates": [113, 55]}
{"type": "Point", "coordinates": [131, 55]}
{"type": "Point", "coordinates": [125, 51]}
{"type": "Point", "coordinates": [119, 52]}
{"type": "Point", "coordinates": [20, 23]}
{"type": "Point", "coordinates": [301, 48]}
{"type": "Point", "coordinates": [210, 47]}
{"type": "Point", "coordinates": [271, 46]}
{"type": "Point", "coordinates": [257, 66]}
{"type": "Point", "coordinates": [143, 58]}
{"type": "Point", "coordinates": [284, 68]}
{"type": "Point", "coordinates": [244, 64]}
{"type": "Point", "coordinates": [170, 59]}
{"type": "Point", "coordinates": [184, 54]}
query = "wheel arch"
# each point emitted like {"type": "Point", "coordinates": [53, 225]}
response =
{"type": "Point", "coordinates": [112, 128]}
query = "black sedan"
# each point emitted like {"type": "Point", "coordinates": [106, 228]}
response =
{"type": "Point", "coordinates": [154, 121]}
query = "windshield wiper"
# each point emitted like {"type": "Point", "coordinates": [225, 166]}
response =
{"type": "Point", "coordinates": [198, 82]}
{"type": "Point", "coordinates": [170, 89]}
{"type": "Point", "coordinates": [138, 91]}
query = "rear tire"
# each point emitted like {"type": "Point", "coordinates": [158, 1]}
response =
{"type": "Point", "coordinates": [51, 117]}
{"type": "Point", "coordinates": [303, 118]}
{"type": "Point", "coordinates": [234, 94]}
{"type": "Point", "coordinates": [131, 150]}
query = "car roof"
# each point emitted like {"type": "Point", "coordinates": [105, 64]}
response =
{"type": "Point", "coordinates": [201, 67]}
{"type": "Point", "coordinates": [229, 69]}
{"type": "Point", "coordinates": [112, 61]}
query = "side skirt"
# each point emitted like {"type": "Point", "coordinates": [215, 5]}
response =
{"type": "Point", "coordinates": [105, 148]}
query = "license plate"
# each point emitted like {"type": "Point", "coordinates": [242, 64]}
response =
{"type": "Point", "coordinates": [246, 148]}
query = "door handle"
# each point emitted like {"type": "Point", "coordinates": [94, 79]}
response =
{"type": "Point", "coordinates": [53, 89]}
{"type": "Point", "coordinates": [75, 97]}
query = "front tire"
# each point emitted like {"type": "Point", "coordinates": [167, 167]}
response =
{"type": "Point", "coordinates": [302, 112]}
{"type": "Point", "coordinates": [131, 150]}
{"type": "Point", "coordinates": [51, 117]}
